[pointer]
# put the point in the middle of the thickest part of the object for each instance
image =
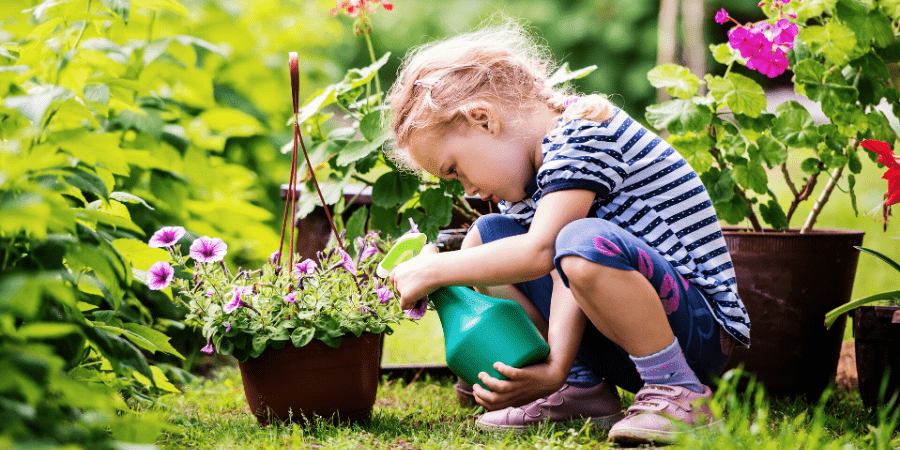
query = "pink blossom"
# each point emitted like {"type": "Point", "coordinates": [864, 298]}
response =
{"type": "Point", "coordinates": [160, 275]}
{"type": "Point", "coordinates": [307, 267]}
{"type": "Point", "coordinates": [367, 252]}
{"type": "Point", "coordinates": [227, 326]}
{"type": "Point", "coordinates": [418, 311]}
{"type": "Point", "coordinates": [347, 262]}
{"type": "Point", "coordinates": [166, 237]}
{"type": "Point", "coordinates": [209, 349]}
{"type": "Point", "coordinates": [237, 299]}
{"type": "Point", "coordinates": [291, 298]}
{"type": "Point", "coordinates": [786, 32]}
{"type": "Point", "coordinates": [275, 257]}
{"type": "Point", "coordinates": [207, 249]}
{"type": "Point", "coordinates": [384, 294]}
{"type": "Point", "coordinates": [413, 228]}
{"type": "Point", "coordinates": [721, 16]}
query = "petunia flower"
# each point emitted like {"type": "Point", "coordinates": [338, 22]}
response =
{"type": "Point", "coordinates": [418, 311]}
{"type": "Point", "coordinates": [721, 16]}
{"type": "Point", "coordinates": [307, 267]}
{"type": "Point", "coordinates": [413, 228]}
{"type": "Point", "coordinates": [160, 275]}
{"type": "Point", "coordinates": [384, 294]}
{"type": "Point", "coordinates": [227, 326]}
{"type": "Point", "coordinates": [209, 349]}
{"type": "Point", "coordinates": [237, 299]}
{"type": "Point", "coordinates": [274, 257]}
{"type": "Point", "coordinates": [347, 262]}
{"type": "Point", "coordinates": [367, 252]}
{"type": "Point", "coordinates": [291, 298]}
{"type": "Point", "coordinates": [166, 237]}
{"type": "Point", "coordinates": [207, 249]}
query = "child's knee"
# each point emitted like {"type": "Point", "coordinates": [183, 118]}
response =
{"type": "Point", "coordinates": [472, 238]}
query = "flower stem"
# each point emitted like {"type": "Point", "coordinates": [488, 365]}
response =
{"type": "Point", "coordinates": [372, 55]}
{"type": "Point", "coordinates": [823, 198]}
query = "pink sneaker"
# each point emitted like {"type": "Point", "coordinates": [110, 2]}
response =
{"type": "Point", "coordinates": [656, 409]}
{"type": "Point", "coordinates": [600, 404]}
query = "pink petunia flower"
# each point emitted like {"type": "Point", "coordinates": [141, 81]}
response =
{"type": "Point", "coordinates": [413, 228]}
{"type": "Point", "coordinates": [160, 275]}
{"type": "Point", "coordinates": [418, 311]}
{"type": "Point", "coordinates": [291, 298]}
{"type": "Point", "coordinates": [384, 294]}
{"type": "Point", "coordinates": [166, 237]}
{"type": "Point", "coordinates": [207, 249]}
{"type": "Point", "coordinates": [721, 16]}
{"type": "Point", "coordinates": [237, 299]}
{"type": "Point", "coordinates": [227, 326]}
{"type": "Point", "coordinates": [307, 267]}
{"type": "Point", "coordinates": [209, 349]}
{"type": "Point", "coordinates": [347, 262]}
{"type": "Point", "coordinates": [367, 252]}
{"type": "Point", "coordinates": [274, 257]}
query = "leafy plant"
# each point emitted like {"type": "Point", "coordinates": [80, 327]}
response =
{"type": "Point", "coordinates": [345, 125]}
{"type": "Point", "coordinates": [840, 52]}
{"type": "Point", "coordinates": [892, 297]}
{"type": "Point", "coordinates": [244, 312]}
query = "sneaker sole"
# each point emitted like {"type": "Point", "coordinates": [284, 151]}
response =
{"type": "Point", "coordinates": [601, 423]}
{"type": "Point", "coordinates": [637, 436]}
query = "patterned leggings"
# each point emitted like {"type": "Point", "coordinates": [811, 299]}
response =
{"type": "Point", "coordinates": [604, 243]}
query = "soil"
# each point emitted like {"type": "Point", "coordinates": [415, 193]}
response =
{"type": "Point", "coordinates": [846, 371]}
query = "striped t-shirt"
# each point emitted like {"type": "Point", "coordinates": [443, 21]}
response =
{"type": "Point", "coordinates": [644, 186]}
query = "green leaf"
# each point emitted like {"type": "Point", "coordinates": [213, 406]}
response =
{"type": "Point", "coordinates": [752, 176]}
{"type": "Point", "coordinates": [748, 97]}
{"type": "Point", "coordinates": [794, 126]}
{"type": "Point", "coordinates": [356, 150]}
{"type": "Point", "coordinates": [724, 54]}
{"type": "Point", "coordinates": [123, 356]}
{"type": "Point", "coordinates": [384, 220]}
{"type": "Point", "coordinates": [94, 148]}
{"type": "Point", "coordinates": [302, 336]}
{"type": "Point", "coordinates": [809, 77]}
{"type": "Point", "coordinates": [732, 211]}
{"type": "Point", "coordinates": [773, 153]}
{"type": "Point", "coordinates": [891, 8]}
{"type": "Point", "coordinates": [394, 188]}
{"type": "Point", "coordinates": [563, 74]}
{"type": "Point", "coordinates": [773, 215]}
{"type": "Point", "coordinates": [833, 41]}
{"type": "Point", "coordinates": [122, 8]}
{"type": "Point", "coordinates": [679, 116]}
{"type": "Point", "coordinates": [832, 315]}
{"type": "Point", "coordinates": [126, 197]}
{"type": "Point", "coordinates": [371, 126]}
{"type": "Point", "coordinates": [150, 337]}
{"type": "Point", "coordinates": [810, 166]}
{"type": "Point", "coordinates": [719, 184]}
{"type": "Point", "coordinates": [47, 330]}
{"type": "Point", "coordinates": [437, 206]}
{"type": "Point", "coordinates": [678, 80]}
{"type": "Point", "coordinates": [886, 259]}
{"type": "Point", "coordinates": [85, 257]}
{"type": "Point", "coordinates": [356, 224]}
{"type": "Point", "coordinates": [694, 148]}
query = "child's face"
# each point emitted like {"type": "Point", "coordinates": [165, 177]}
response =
{"type": "Point", "coordinates": [491, 166]}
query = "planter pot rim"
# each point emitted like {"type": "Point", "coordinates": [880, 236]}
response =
{"type": "Point", "coordinates": [792, 232]}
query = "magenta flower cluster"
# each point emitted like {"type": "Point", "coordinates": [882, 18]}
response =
{"type": "Point", "coordinates": [763, 44]}
{"type": "Point", "coordinates": [204, 250]}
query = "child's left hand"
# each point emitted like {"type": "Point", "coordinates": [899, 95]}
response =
{"type": "Point", "coordinates": [523, 385]}
{"type": "Point", "coordinates": [410, 278]}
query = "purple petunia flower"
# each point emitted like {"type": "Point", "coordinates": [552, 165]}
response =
{"type": "Point", "coordinates": [160, 275]}
{"type": "Point", "coordinates": [418, 311]}
{"type": "Point", "coordinates": [237, 299]}
{"type": "Point", "coordinates": [291, 298]}
{"type": "Point", "coordinates": [367, 252]}
{"type": "Point", "coordinates": [207, 249]}
{"type": "Point", "coordinates": [384, 294]}
{"type": "Point", "coordinates": [227, 326]}
{"type": "Point", "coordinates": [209, 349]}
{"type": "Point", "coordinates": [166, 237]}
{"type": "Point", "coordinates": [307, 267]}
{"type": "Point", "coordinates": [274, 257]}
{"type": "Point", "coordinates": [413, 228]}
{"type": "Point", "coordinates": [347, 262]}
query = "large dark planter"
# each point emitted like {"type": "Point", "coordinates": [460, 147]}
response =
{"type": "Point", "coordinates": [788, 281]}
{"type": "Point", "coordinates": [877, 333]}
{"type": "Point", "coordinates": [338, 384]}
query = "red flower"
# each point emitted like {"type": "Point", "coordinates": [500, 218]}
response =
{"type": "Point", "coordinates": [892, 161]}
{"type": "Point", "coordinates": [355, 8]}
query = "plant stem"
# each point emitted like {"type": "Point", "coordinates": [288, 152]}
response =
{"type": "Point", "coordinates": [83, 27]}
{"type": "Point", "coordinates": [751, 215]}
{"type": "Point", "coordinates": [801, 196]}
{"type": "Point", "coordinates": [463, 206]}
{"type": "Point", "coordinates": [372, 55]}
{"type": "Point", "coordinates": [820, 202]}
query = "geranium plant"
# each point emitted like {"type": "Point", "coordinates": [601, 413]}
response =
{"type": "Point", "coordinates": [838, 52]}
{"type": "Point", "coordinates": [242, 312]}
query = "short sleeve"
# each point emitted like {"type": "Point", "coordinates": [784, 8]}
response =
{"type": "Point", "coordinates": [584, 155]}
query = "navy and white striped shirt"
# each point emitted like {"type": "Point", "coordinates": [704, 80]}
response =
{"type": "Point", "coordinates": [644, 186]}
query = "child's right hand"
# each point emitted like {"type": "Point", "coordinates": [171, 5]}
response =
{"type": "Point", "coordinates": [411, 280]}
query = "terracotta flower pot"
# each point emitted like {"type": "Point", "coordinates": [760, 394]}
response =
{"type": "Point", "coordinates": [338, 384]}
{"type": "Point", "coordinates": [877, 333]}
{"type": "Point", "coordinates": [788, 281]}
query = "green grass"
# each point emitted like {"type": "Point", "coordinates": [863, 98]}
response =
{"type": "Point", "coordinates": [212, 414]}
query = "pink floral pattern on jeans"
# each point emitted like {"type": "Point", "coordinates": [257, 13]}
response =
{"type": "Point", "coordinates": [606, 247]}
{"type": "Point", "coordinates": [668, 293]}
{"type": "Point", "coordinates": [645, 264]}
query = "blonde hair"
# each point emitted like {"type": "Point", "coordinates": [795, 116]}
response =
{"type": "Point", "coordinates": [439, 83]}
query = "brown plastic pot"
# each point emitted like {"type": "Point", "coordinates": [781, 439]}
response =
{"type": "Point", "coordinates": [877, 333]}
{"type": "Point", "coordinates": [296, 384]}
{"type": "Point", "coordinates": [788, 281]}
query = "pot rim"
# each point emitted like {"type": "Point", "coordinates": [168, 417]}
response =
{"type": "Point", "coordinates": [791, 232]}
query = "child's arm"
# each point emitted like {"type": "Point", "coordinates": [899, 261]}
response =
{"type": "Point", "coordinates": [504, 261]}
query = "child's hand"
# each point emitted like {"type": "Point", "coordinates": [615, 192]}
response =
{"type": "Point", "coordinates": [523, 385]}
{"type": "Point", "coordinates": [410, 279]}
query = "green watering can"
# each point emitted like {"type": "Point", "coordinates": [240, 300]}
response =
{"type": "Point", "coordinates": [478, 330]}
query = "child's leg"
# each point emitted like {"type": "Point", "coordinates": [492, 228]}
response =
{"type": "Point", "coordinates": [636, 299]}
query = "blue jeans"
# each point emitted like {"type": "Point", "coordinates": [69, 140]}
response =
{"type": "Point", "coordinates": [604, 243]}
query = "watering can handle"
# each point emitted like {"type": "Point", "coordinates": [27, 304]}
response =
{"type": "Point", "coordinates": [407, 247]}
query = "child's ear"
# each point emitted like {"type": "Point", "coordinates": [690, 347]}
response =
{"type": "Point", "coordinates": [482, 115]}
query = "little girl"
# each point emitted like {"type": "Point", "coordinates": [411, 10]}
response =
{"type": "Point", "coordinates": [606, 236]}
